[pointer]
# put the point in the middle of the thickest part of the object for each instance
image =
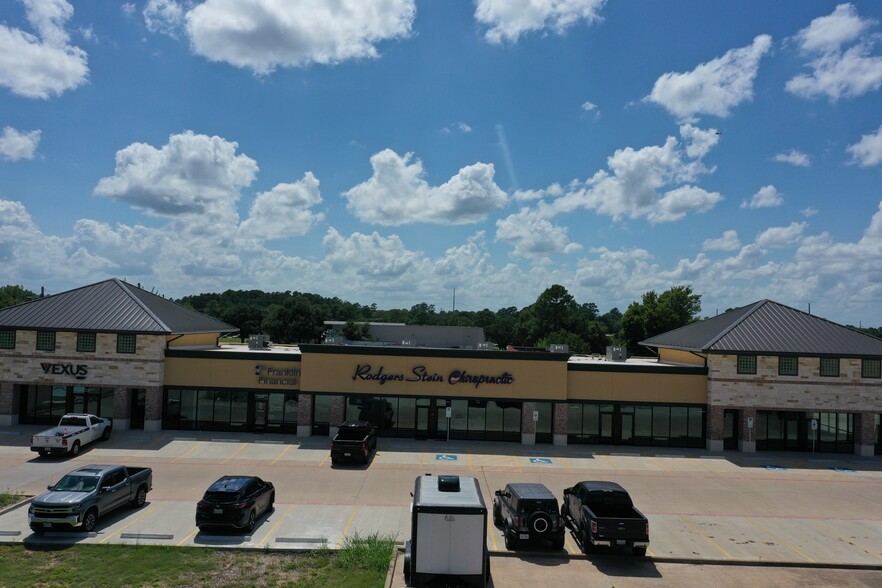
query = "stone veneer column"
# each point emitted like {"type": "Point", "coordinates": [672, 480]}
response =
{"type": "Point", "coordinates": [865, 433]}
{"type": "Point", "coordinates": [337, 414]}
{"type": "Point", "coordinates": [716, 428]}
{"type": "Point", "coordinates": [153, 409]}
{"type": "Point", "coordinates": [8, 404]}
{"type": "Point", "coordinates": [528, 427]}
{"type": "Point", "coordinates": [747, 437]}
{"type": "Point", "coordinates": [304, 415]}
{"type": "Point", "coordinates": [122, 408]}
{"type": "Point", "coordinates": [560, 422]}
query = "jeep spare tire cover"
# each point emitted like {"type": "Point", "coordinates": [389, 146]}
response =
{"type": "Point", "coordinates": [539, 522]}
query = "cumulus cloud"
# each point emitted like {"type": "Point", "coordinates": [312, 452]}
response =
{"type": "Point", "coordinates": [775, 237]}
{"type": "Point", "coordinates": [15, 145]}
{"type": "Point", "coordinates": [533, 236]}
{"type": "Point", "coordinates": [681, 201]}
{"type": "Point", "coordinates": [765, 197]}
{"type": "Point", "coordinates": [194, 176]}
{"type": "Point", "coordinates": [263, 35]}
{"type": "Point", "coordinates": [699, 142]}
{"type": "Point", "coordinates": [715, 87]}
{"type": "Point", "coordinates": [459, 127]}
{"type": "Point", "coordinates": [508, 20]}
{"type": "Point", "coordinates": [44, 64]}
{"type": "Point", "coordinates": [588, 106]}
{"type": "Point", "coordinates": [552, 191]}
{"type": "Point", "coordinates": [371, 256]}
{"type": "Point", "coordinates": [728, 242]}
{"type": "Point", "coordinates": [398, 193]}
{"type": "Point", "coordinates": [868, 151]}
{"type": "Point", "coordinates": [793, 157]}
{"type": "Point", "coordinates": [808, 211]}
{"type": "Point", "coordinates": [841, 62]}
{"type": "Point", "coordinates": [284, 211]}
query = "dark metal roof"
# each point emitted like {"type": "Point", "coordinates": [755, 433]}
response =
{"type": "Point", "coordinates": [768, 327]}
{"type": "Point", "coordinates": [110, 306]}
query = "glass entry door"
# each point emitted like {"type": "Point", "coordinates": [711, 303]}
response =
{"type": "Point", "coordinates": [261, 403]}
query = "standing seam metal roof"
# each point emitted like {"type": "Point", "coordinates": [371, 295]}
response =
{"type": "Point", "coordinates": [769, 327]}
{"type": "Point", "coordinates": [110, 306]}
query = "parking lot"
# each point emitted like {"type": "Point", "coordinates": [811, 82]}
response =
{"type": "Point", "coordinates": [796, 509]}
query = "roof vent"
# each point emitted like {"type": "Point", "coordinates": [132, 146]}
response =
{"type": "Point", "coordinates": [259, 342]}
{"type": "Point", "coordinates": [559, 348]}
{"type": "Point", "coordinates": [616, 353]}
{"type": "Point", "coordinates": [448, 483]}
{"type": "Point", "coordinates": [486, 346]}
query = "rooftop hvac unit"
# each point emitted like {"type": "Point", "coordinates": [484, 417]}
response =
{"type": "Point", "coordinates": [486, 346]}
{"type": "Point", "coordinates": [407, 343]}
{"type": "Point", "coordinates": [258, 342]}
{"type": "Point", "coordinates": [559, 348]}
{"type": "Point", "coordinates": [335, 340]}
{"type": "Point", "coordinates": [616, 353]}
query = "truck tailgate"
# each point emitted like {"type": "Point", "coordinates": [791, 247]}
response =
{"type": "Point", "coordinates": [620, 528]}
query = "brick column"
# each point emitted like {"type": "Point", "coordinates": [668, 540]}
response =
{"type": "Point", "coordinates": [747, 437]}
{"type": "Point", "coordinates": [716, 428]}
{"type": "Point", "coordinates": [865, 433]}
{"type": "Point", "coordinates": [304, 415]}
{"type": "Point", "coordinates": [528, 427]}
{"type": "Point", "coordinates": [122, 409]}
{"type": "Point", "coordinates": [560, 422]}
{"type": "Point", "coordinates": [153, 409]}
{"type": "Point", "coordinates": [337, 414]}
{"type": "Point", "coordinates": [9, 402]}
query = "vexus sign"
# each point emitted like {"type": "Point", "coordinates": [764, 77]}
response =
{"type": "Point", "coordinates": [57, 369]}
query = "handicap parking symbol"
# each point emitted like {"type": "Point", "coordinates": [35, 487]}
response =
{"type": "Point", "coordinates": [841, 469]}
{"type": "Point", "coordinates": [444, 457]}
{"type": "Point", "coordinates": [540, 460]}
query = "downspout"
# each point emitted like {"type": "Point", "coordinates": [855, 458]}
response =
{"type": "Point", "coordinates": [170, 340]}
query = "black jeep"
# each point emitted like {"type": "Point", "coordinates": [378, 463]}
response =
{"type": "Point", "coordinates": [528, 511]}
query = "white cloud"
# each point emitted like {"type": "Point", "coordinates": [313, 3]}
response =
{"type": "Point", "coordinates": [398, 193]}
{"type": "Point", "coordinates": [728, 242]}
{"type": "Point", "coordinates": [715, 87]}
{"type": "Point", "coordinates": [699, 142]}
{"type": "Point", "coordinates": [15, 145]}
{"type": "Point", "coordinates": [552, 191]}
{"type": "Point", "coordinates": [681, 201]}
{"type": "Point", "coordinates": [509, 19]}
{"type": "Point", "coordinates": [589, 106]}
{"type": "Point", "coordinates": [868, 151]}
{"type": "Point", "coordinates": [128, 8]}
{"type": "Point", "coordinates": [765, 197]}
{"type": "Point", "coordinates": [164, 16]}
{"type": "Point", "coordinates": [793, 157]}
{"type": "Point", "coordinates": [808, 211]}
{"type": "Point", "coordinates": [263, 35]}
{"type": "Point", "coordinates": [193, 176]}
{"type": "Point", "coordinates": [836, 71]}
{"type": "Point", "coordinates": [776, 237]}
{"type": "Point", "coordinates": [368, 256]}
{"type": "Point", "coordinates": [284, 211]}
{"type": "Point", "coordinates": [41, 65]}
{"type": "Point", "coordinates": [533, 236]}
{"type": "Point", "coordinates": [459, 127]}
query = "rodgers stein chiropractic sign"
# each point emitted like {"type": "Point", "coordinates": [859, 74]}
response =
{"type": "Point", "coordinates": [420, 374]}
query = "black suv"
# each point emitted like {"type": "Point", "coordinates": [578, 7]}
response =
{"type": "Point", "coordinates": [528, 511]}
{"type": "Point", "coordinates": [235, 501]}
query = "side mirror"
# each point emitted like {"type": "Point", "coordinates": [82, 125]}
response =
{"type": "Point", "coordinates": [105, 489]}
{"type": "Point", "coordinates": [499, 493]}
{"type": "Point", "coordinates": [49, 487]}
{"type": "Point", "coordinates": [568, 491]}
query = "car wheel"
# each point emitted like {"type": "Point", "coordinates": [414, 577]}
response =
{"type": "Point", "coordinates": [251, 518]}
{"type": "Point", "coordinates": [558, 542]}
{"type": "Point", "coordinates": [140, 497]}
{"type": "Point", "coordinates": [586, 542]}
{"type": "Point", "coordinates": [90, 520]}
{"type": "Point", "coordinates": [75, 448]}
{"type": "Point", "coordinates": [407, 563]}
{"type": "Point", "coordinates": [270, 507]}
{"type": "Point", "coordinates": [43, 452]}
{"type": "Point", "coordinates": [487, 573]}
{"type": "Point", "coordinates": [497, 514]}
{"type": "Point", "coordinates": [37, 530]}
{"type": "Point", "coordinates": [511, 540]}
{"type": "Point", "coordinates": [105, 435]}
{"type": "Point", "coordinates": [639, 551]}
{"type": "Point", "coordinates": [334, 461]}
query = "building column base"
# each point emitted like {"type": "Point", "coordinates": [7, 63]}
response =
{"type": "Point", "coordinates": [152, 426]}
{"type": "Point", "coordinates": [865, 450]}
{"type": "Point", "coordinates": [304, 431]}
{"type": "Point", "coordinates": [714, 444]}
{"type": "Point", "coordinates": [8, 420]}
{"type": "Point", "coordinates": [122, 424]}
{"type": "Point", "coordinates": [528, 438]}
{"type": "Point", "coordinates": [747, 446]}
{"type": "Point", "coordinates": [560, 440]}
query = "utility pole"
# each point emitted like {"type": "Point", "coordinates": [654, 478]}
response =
{"type": "Point", "coordinates": [454, 300]}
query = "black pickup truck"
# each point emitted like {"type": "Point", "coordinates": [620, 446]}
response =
{"type": "Point", "coordinates": [601, 513]}
{"type": "Point", "coordinates": [354, 441]}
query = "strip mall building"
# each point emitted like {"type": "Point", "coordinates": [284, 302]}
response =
{"type": "Point", "coordinates": [761, 377]}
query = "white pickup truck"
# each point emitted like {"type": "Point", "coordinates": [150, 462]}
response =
{"type": "Point", "coordinates": [72, 433]}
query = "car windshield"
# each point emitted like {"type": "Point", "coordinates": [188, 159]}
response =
{"type": "Point", "coordinates": [72, 422]}
{"type": "Point", "coordinates": [74, 483]}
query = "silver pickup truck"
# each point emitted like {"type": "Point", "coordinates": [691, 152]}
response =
{"type": "Point", "coordinates": [81, 497]}
{"type": "Point", "coordinates": [72, 433]}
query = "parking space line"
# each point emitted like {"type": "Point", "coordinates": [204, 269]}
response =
{"type": "Point", "coordinates": [235, 453]}
{"type": "Point", "coordinates": [188, 452]}
{"type": "Point", "coordinates": [325, 459]}
{"type": "Point", "coordinates": [491, 530]}
{"type": "Point", "coordinates": [188, 537]}
{"type": "Point", "coordinates": [348, 524]}
{"type": "Point", "coordinates": [778, 539]}
{"type": "Point", "coordinates": [278, 457]}
{"type": "Point", "coordinates": [118, 531]}
{"type": "Point", "coordinates": [571, 543]}
{"type": "Point", "coordinates": [694, 528]}
{"type": "Point", "coordinates": [847, 540]}
{"type": "Point", "coordinates": [265, 539]}
{"type": "Point", "coordinates": [423, 460]}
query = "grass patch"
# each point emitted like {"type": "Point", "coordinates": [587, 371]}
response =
{"type": "Point", "coordinates": [7, 498]}
{"type": "Point", "coordinates": [362, 562]}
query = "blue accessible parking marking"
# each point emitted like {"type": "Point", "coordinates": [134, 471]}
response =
{"type": "Point", "coordinates": [444, 457]}
{"type": "Point", "coordinates": [774, 467]}
{"type": "Point", "coordinates": [540, 460]}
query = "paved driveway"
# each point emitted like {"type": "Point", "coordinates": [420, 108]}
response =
{"type": "Point", "coordinates": [773, 507]}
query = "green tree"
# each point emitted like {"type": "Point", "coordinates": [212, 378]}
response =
{"type": "Point", "coordinates": [247, 317]}
{"type": "Point", "coordinates": [574, 341]}
{"type": "Point", "coordinates": [12, 295]}
{"type": "Point", "coordinates": [296, 321]}
{"type": "Point", "coordinates": [355, 331]}
{"type": "Point", "coordinates": [658, 314]}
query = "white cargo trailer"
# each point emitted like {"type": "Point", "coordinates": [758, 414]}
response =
{"type": "Point", "coordinates": [448, 537]}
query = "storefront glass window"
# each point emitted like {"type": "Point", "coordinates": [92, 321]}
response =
{"type": "Point", "coordinates": [238, 410]}
{"type": "Point", "coordinates": [321, 414]}
{"type": "Point", "coordinates": [405, 417]}
{"type": "Point", "coordinates": [661, 424]}
{"type": "Point", "coordinates": [188, 409]}
{"type": "Point", "coordinates": [679, 424]}
{"type": "Point", "coordinates": [458, 422]}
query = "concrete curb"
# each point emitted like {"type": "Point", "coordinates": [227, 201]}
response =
{"type": "Point", "coordinates": [18, 504]}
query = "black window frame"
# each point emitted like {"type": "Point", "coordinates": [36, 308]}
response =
{"type": "Point", "coordinates": [4, 333]}
{"type": "Point", "coordinates": [120, 337]}
{"type": "Point", "coordinates": [46, 335]}
{"type": "Point", "coordinates": [781, 371]}
{"type": "Point", "coordinates": [738, 364]}
{"type": "Point", "coordinates": [821, 367]}
{"type": "Point", "coordinates": [877, 362]}
{"type": "Point", "coordinates": [83, 340]}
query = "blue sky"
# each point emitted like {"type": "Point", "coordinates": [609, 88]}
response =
{"type": "Point", "coordinates": [389, 151]}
